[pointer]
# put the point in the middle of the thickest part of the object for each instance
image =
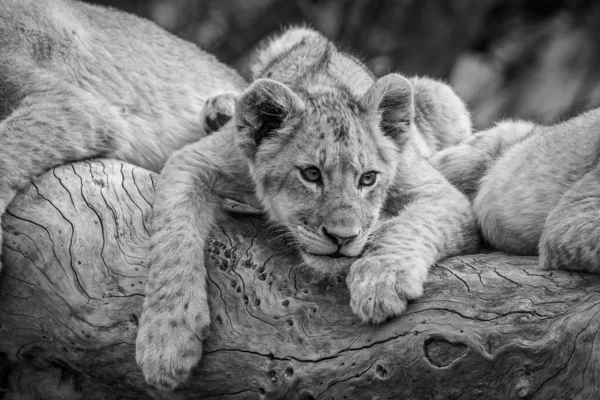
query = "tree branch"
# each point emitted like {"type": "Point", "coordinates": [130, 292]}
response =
{"type": "Point", "coordinates": [489, 326]}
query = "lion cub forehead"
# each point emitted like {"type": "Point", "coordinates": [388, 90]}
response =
{"type": "Point", "coordinates": [344, 130]}
{"type": "Point", "coordinates": [333, 109]}
{"type": "Point", "coordinates": [331, 141]}
{"type": "Point", "coordinates": [336, 158]}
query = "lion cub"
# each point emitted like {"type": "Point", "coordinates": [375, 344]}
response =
{"type": "Point", "coordinates": [334, 156]}
{"type": "Point", "coordinates": [535, 189]}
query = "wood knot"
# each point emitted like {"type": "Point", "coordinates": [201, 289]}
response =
{"type": "Point", "coordinates": [523, 388]}
{"type": "Point", "coordinates": [272, 375]}
{"type": "Point", "coordinates": [224, 265]}
{"type": "Point", "coordinates": [381, 372]}
{"type": "Point", "coordinates": [133, 318]}
{"type": "Point", "coordinates": [440, 353]}
{"type": "Point", "coordinates": [289, 372]}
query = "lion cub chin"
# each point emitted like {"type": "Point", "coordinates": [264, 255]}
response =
{"type": "Point", "coordinates": [328, 264]}
{"type": "Point", "coordinates": [337, 158]}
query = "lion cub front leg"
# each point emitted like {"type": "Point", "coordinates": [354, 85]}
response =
{"type": "Point", "coordinates": [175, 318]}
{"type": "Point", "coordinates": [402, 249]}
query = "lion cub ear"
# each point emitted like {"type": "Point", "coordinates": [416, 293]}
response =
{"type": "Point", "coordinates": [391, 98]}
{"type": "Point", "coordinates": [261, 111]}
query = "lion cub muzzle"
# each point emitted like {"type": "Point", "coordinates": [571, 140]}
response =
{"type": "Point", "coordinates": [340, 235]}
{"type": "Point", "coordinates": [340, 240]}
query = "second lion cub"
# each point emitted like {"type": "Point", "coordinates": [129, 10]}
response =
{"type": "Point", "coordinates": [535, 189]}
{"type": "Point", "coordinates": [336, 158]}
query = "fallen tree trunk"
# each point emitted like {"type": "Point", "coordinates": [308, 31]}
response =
{"type": "Point", "coordinates": [490, 326]}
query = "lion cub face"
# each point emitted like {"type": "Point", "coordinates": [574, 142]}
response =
{"type": "Point", "coordinates": [323, 161]}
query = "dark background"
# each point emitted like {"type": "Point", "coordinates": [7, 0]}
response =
{"type": "Point", "coordinates": [534, 59]}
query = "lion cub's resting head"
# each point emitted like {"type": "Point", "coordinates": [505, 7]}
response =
{"type": "Point", "coordinates": [322, 139]}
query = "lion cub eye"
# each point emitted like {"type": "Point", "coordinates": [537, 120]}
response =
{"type": "Point", "coordinates": [311, 174]}
{"type": "Point", "coordinates": [368, 179]}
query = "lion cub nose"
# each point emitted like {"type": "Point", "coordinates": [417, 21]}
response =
{"type": "Point", "coordinates": [340, 235]}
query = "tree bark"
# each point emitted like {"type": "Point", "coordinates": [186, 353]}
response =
{"type": "Point", "coordinates": [490, 326]}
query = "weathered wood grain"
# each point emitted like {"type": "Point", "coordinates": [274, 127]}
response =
{"type": "Point", "coordinates": [490, 326]}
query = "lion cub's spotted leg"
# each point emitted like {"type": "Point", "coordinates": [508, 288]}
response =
{"type": "Point", "coordinates": [571, 236]}
{"type": "Point", "coordinates": [175, 318]}
{"type": "Point", "coordinates": [218, 110]}
{"type": "Point", "coordinates": [402, 249]}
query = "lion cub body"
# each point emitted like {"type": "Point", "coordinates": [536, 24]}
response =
{"type": "Point", "coordinates": [130, 89]}
{"type": "Point", "coordinates": [332, 155]}
{"type": "Point", "coordinates": [535, 189]}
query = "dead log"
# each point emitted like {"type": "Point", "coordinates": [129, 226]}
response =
{"type": "Point", "coordinates": [490, 326]}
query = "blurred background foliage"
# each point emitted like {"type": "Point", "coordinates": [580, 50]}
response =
{"type": "Point", "coordinates": [534, 59]}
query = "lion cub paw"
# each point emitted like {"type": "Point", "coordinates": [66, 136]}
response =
{"type": "Point", "coordinates": [381, 286]}
{"type": "Point", "coordinates": [168, 349]}
{"type": "Point", "coordinates": [218, 110]}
